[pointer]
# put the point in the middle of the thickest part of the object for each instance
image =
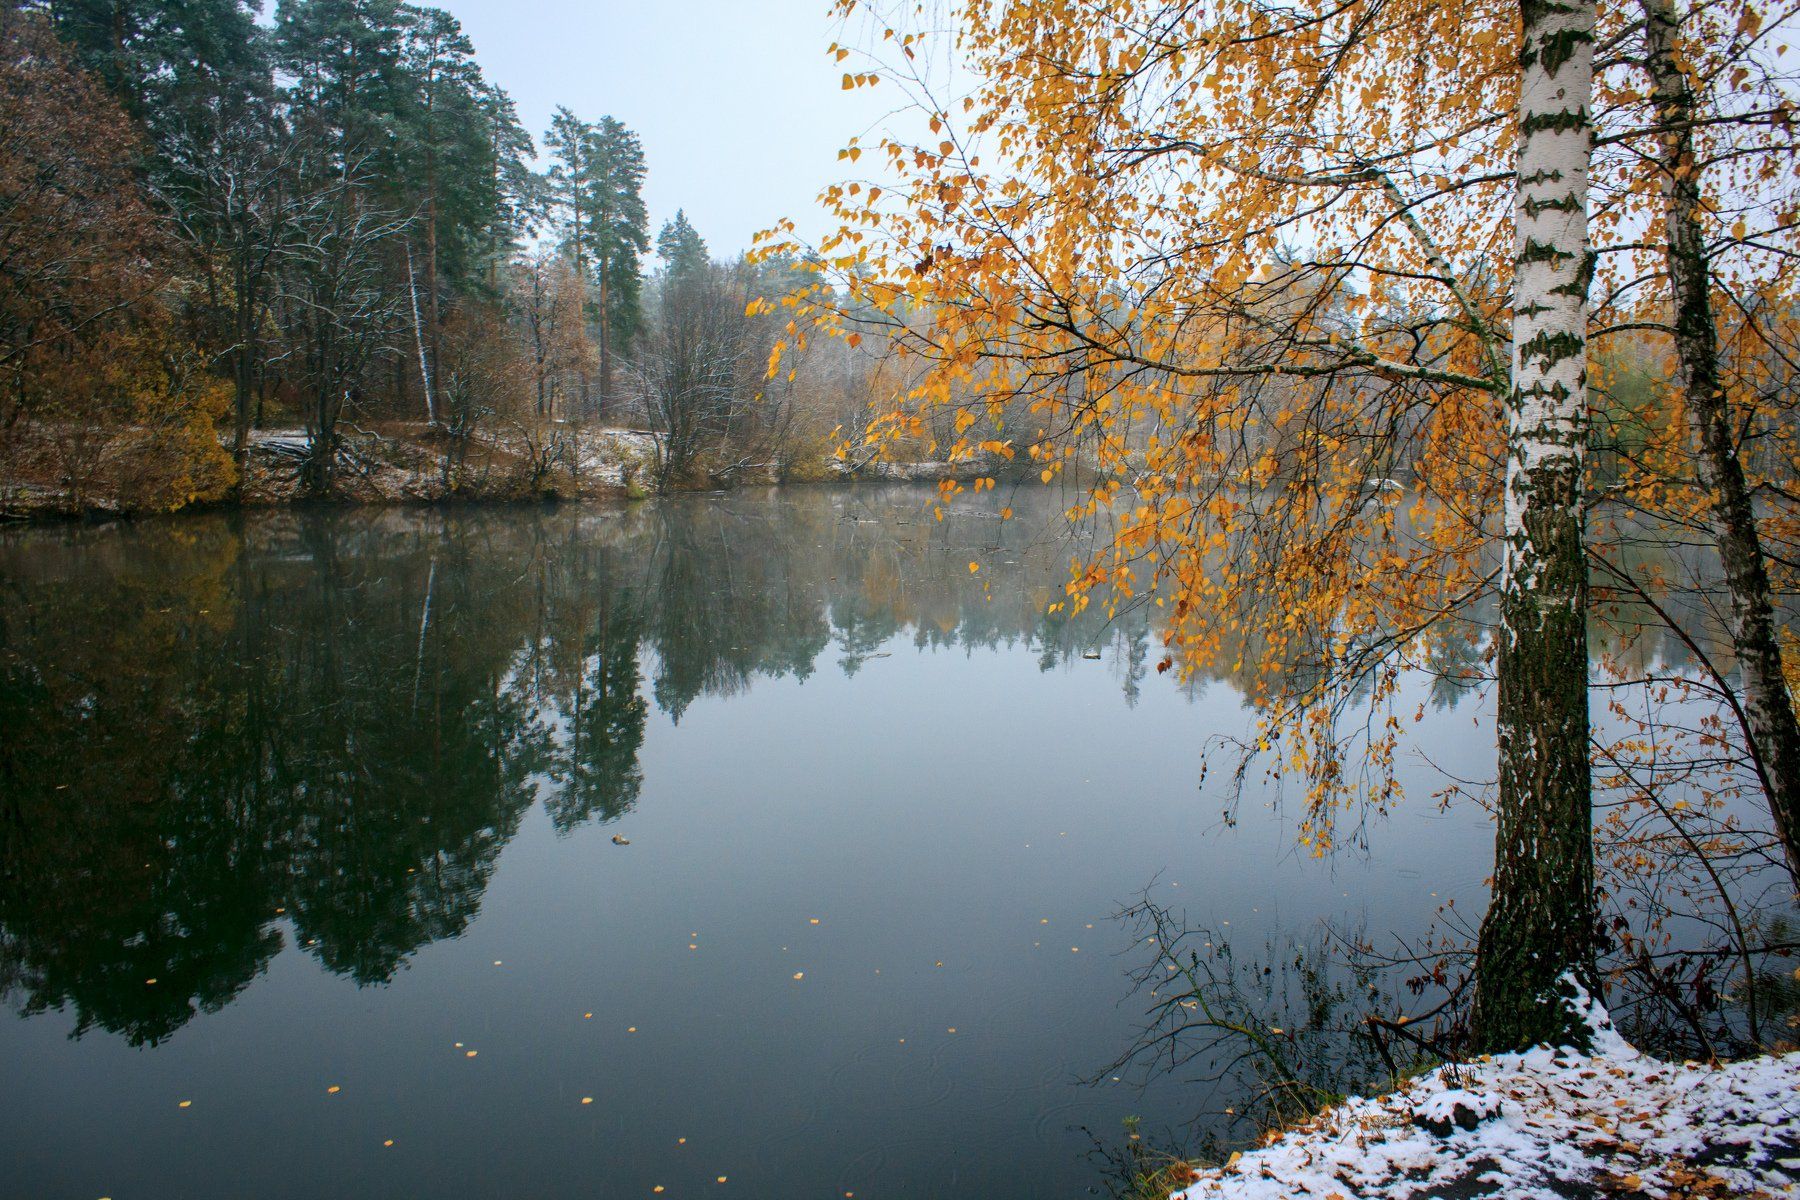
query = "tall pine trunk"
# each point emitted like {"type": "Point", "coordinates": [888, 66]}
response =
{"type": "Point", "coordinates": [579, 237]}
{"type": "Point", "coordinates": [1541, 924]}
{"type": "Point", "coordinates": [433, 317]}
{"type": "Point", "coordinates": [605, 340]}
{"type": "Point", "coordinates": [1768, 711]}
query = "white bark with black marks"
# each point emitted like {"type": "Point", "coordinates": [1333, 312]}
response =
{"type": "Point", "coordinates": [412, 291]}
{"type": "Point", "coordinates": [1541, 923]}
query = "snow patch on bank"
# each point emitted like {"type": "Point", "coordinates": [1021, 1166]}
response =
{"type": "Point", "coordinates": [1549, 1124]}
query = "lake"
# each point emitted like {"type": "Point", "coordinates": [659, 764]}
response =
{"type": "Point", "coordinates": [613, 852]}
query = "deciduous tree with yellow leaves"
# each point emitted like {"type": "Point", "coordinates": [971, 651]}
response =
{"type": "Point", "coordinates": [1302, 295]}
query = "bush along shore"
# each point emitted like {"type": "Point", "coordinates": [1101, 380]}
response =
{"type": "Point", "coordinates": [394, 463]}
{"type": "Point", "coordinates": [1604, 1121]}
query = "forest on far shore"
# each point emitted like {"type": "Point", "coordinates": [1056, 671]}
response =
{"type": "Point", "coordinates": [335, 226]}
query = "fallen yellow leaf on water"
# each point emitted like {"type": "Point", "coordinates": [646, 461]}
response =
{"type": "Point", "coordinates": [953, 1029]}
{"type": "Point", "coordinates": [587, 1099]}
{"type": "Point", "coordinates": [469, 1054]}
{"type": "Point", "coordinates": [185, 1104]}
{"type": "Point", "coordinates": [799, 974]}
{"type": "Point", "coordinates": [681, 1141]}
{"type": "Point", "coordinates": [974, 567]}
{"type": "Point", "coordinates": [815, 920]}
{"type": "Point", "coordinates": [333, 1090]}
{"type": "Point", "coordinates": [721, 1179]}
{"type": "Point", "coordinates": [389, 1142]}
{"type": "Point", "coordinates": [587, 1016]}
{"type": "Point", "coordinates": [631, 1029]}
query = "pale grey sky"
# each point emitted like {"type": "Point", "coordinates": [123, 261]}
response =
{"type": "Point", "coordinates": [740, 108]}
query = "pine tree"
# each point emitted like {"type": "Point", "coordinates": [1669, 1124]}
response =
{"type": "Point", "coordinates": [444, 173]}
{"type": "Point", "coordinates": [565, 184]}
{"type": "Point", "coordinates": [521, 202]}
{"type": "Point", "coordinates": [595, 188]}
{"type": "Point", "coordinates": [616, 231]}
{"type": "Point", "coordinates": [344, 60]}
{"type": "Point", "coordinates": [680, 246]}
{"type": "Point", "coordinates": [566, 200]}
{"type": "Point", "coordinates": [161, 59]}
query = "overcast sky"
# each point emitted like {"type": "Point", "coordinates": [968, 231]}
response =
{"type": "Point", "coordinates": [739, 106]}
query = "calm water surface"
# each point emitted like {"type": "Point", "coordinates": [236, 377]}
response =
{"type": "Point", "coordinates": [292, 803]}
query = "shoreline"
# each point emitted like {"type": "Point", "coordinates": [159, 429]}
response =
{"type": "Point", "coordinates": [1606, 1119]}
{"type": "Point", "coordinates": [404, 468]}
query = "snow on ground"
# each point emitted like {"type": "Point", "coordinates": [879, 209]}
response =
{"type": "Point", "coordinates": [1556, 1125]}
{"type": "Point", "coordinates": [610, 456]}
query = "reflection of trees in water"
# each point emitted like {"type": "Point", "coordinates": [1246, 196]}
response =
{"type": "Point", "coordinates": [597, 769]}
{"type": "Point", "coordinates": [218, 725]}
{"type": "Point", "coordinates": [727, 597]}
{"type": "Point", "coordinates": [241, 729]}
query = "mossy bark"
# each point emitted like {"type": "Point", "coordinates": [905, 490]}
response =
{"type": "Point", "coordinates": [1539, 931]}
{"type": "Point", "coordinates": [1768, 711]}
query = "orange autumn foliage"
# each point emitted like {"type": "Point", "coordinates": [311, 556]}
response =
{"type": "Point", "coordinates": [102, 393]}
{"type": "Point", "coordinates": [1241, 276]}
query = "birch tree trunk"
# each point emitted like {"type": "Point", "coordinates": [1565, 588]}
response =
{"type": "Point", "coordinates": [1539, 931]}
{"type": "Point", "coordinates": [1768, 711]}
{"type": "Point", "coordinates": [412, 291]}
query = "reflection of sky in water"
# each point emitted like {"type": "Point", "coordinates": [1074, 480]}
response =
{"type": "Point", "coordinates": [414, 734]}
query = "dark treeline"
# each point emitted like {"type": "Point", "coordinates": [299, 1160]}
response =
{"type": "Point", "coordinates": [334, 224]}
